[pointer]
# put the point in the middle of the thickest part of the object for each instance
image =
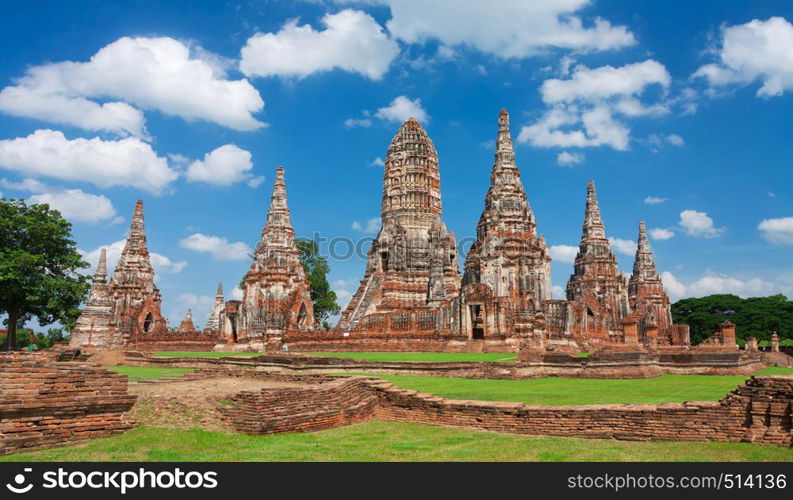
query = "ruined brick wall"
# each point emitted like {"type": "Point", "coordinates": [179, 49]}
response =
{"type": "Point", "coordinates": [188, 342]}
{"type": "Point", "coordinates": [759, 412]}
{"type": "Point", "coordinates": [302, 409]}
{"type": "Point", "coordinates": [44, 403]}
{"type": "Point", "coordinates": [382, 342]}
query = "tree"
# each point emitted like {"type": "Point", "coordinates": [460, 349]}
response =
{"type": "Point", "coordinates": [39, 265]}
{"type": "Point", "coordinates": [317, 268]}
{"type": "Point", "coordinates": [753, 317]}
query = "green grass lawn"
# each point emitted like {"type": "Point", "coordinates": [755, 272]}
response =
{"type": "Point", "coordinates": [143, 372]}
{"type": "Point", "coordinates": [577, 391]}
{"type": "Point", "coordinates": [387, 441]}
{"type": "Point", "coordinates": [422, 357]}
{"type": "Point", "coordinates": [175, 354]}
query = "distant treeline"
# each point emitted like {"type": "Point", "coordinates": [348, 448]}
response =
{"type": "Point", "coordinates": [754, 317]}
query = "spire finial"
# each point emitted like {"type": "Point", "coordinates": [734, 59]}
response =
{"type": "Point", "coordinates": [101, 268]}
{"type": "Point", "coordinates": [279, 211]}
{"type": "Point", "coordinates": [220, 290]}
{"type": "Point", "coordinates": [593, 225]}
{"type": "Point", "coordinates": [643, 245]}
{"type": "Point", "coordinates": [189, 315]}
{"type": "Point", "coordinates": [278, 222]}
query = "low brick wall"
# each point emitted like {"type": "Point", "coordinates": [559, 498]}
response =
{"type": "Point", "coordinates": [302, 409]}
{"type": "Point", "coordinates": [332, 342]}
{"type": "Point", "coordinates": [759, 411]}
{"type": "Point", "coordinates": [45, 403]}
{"type": "Point", "coordinates": [175, 342]}
{"type": "Point", "coordinates": [626, 364]}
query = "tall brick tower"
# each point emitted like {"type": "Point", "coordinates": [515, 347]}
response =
{"type": "Point", "coordinates": [276, 293]}
{"type": "Point", "coordinates": [412, 264]}
{"type": "Point", "coordinates": [596, 288]}
{"type": "Point", "coordinates": [96, 325]}
{"type": "Point", "coordinates": [133, 299]}
{"type": "Point", "coordinates": [213, 323]}
{"type": "Point", "coordinates": [508, 269]}
{"type": "Point", "coordinates": [646, 290]}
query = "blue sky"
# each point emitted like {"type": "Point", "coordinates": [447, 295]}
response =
{"type": "Point", "coordinates": [192, 105]}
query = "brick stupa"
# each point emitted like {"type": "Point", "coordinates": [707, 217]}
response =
{"type": "Point", "coordinates": [597, 290]}
{"type": "Point", "coordinates": [276, 293]}
{"type": "Point", "coordinates": [128, 305]}
{"type": "Point", "coordinates": [412, 268]}
{"type": "Point", "coordinates": [508, 269]}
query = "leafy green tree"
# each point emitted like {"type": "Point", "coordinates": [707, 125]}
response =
{"type": "Point", "coordinates": [39, 265]}
{"type": "Point", "coordinates": [317, 268]}
{"type": "Point", "coordinates": [45, 340]}
{"type": "Point", "coordinates": [753, 317]}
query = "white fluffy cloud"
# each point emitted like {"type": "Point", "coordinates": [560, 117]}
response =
{"type": "Point", "coordinates": [557, 292]}
{"type": "Point", "coordinates": [79, 206]}
{"type": "Point", "coordinates": [199, 305]}
{"type": "Point", "coordinates": [564, 253]}
{"type": "Point", "coordinates": [654, 200]}
{"type": "Point", "coordinates": [237, 293]}
{"type": "Point", "coordinates": [585, 109]}
{"type": "Point", "coordinates": [151, 73]}
{"type": "Point", "coordinates": [508, 29]}
{"type": "Point", "coordinates": [160, 263]}
{"type": "Point", "coordinates": [402, 108]}
{"type": "Point", "coordinates": [714, 283]}
{"type": "Point", "coordinates": [566, 158]}
{"type": "Point", "coordinates": [626, 247]}
{"type": "Point", "coordinates": [344, 291]}
{"type": "Point", "coordinates": [73, 204]}
{"type": "Point", "coordinates": [605, 82]}
{"type": "Point", "coordinates": [660, 233]}
{"type": "Point", "coordinates": [699, 224]}
{"type": "Point", "coordinates": [358, 122]}
{"type": "Point", "coordinates": [675, 140]}
{"type": "Point", "coordinates": [125, 162]}
{"type": "Point", "coordinates": [371, 226]}
{"type": "Point", "coordinates": [778, 231]}
{"type": "Point", "coordinates": [352, 41]}
{"type": "Point", "coordinates": [222, 166]}
{"type": "Point", "coordinates": [757, 50]}
{"type": "Point", "coordinates": [33, 102]}
{"type": "Point", "coordinates": [219, 247]}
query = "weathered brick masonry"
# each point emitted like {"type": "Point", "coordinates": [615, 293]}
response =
{"type": "Point", "coordinates": [759, 412]}
{"type": "Point", "coordinates": [302, 408]}
{"type": "Point", "coordinates": [44, 403]}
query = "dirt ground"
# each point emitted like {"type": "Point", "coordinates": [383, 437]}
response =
{"type": "Point", "coordinates": [194, 403]}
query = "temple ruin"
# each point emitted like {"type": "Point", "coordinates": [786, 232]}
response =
{"type": "Point", "coordinates": [507, 276]}
{"type": "Point", "coordinates": [412, 274]}
{"type": "Point", "coordinates": [276, 292]}
{"type": "Point", "coordinates": [412, 290]}
{"type": "Point", "coordinates": [129, 304]}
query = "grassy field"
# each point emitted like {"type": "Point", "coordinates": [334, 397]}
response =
{"type": "Point", "coordinates": [175, 354]}
{"type": "Point", "coordinates": [422, 357]}
{"type": "Point", "coordinates": [143, 372]}
{"type": "Point", "coordinates": [576, 391]}
{"type": "Point", "coordinates": [386, 441]}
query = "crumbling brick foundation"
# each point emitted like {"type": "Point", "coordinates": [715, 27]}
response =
{"type": "Point", "coordinates": [758, 412]}
{"type": "Point", "coordinates": [45, 403]}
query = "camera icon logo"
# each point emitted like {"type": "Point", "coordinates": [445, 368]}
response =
{"type": "Point", "coordinates": [19, 483]}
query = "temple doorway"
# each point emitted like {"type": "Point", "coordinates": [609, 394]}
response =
{"type": "Point", "coordinates": [477, 323]}
{"type": "Point", "coordinates": [147, 323]}
{"type": "Point", "coordinates": [233, 321]}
